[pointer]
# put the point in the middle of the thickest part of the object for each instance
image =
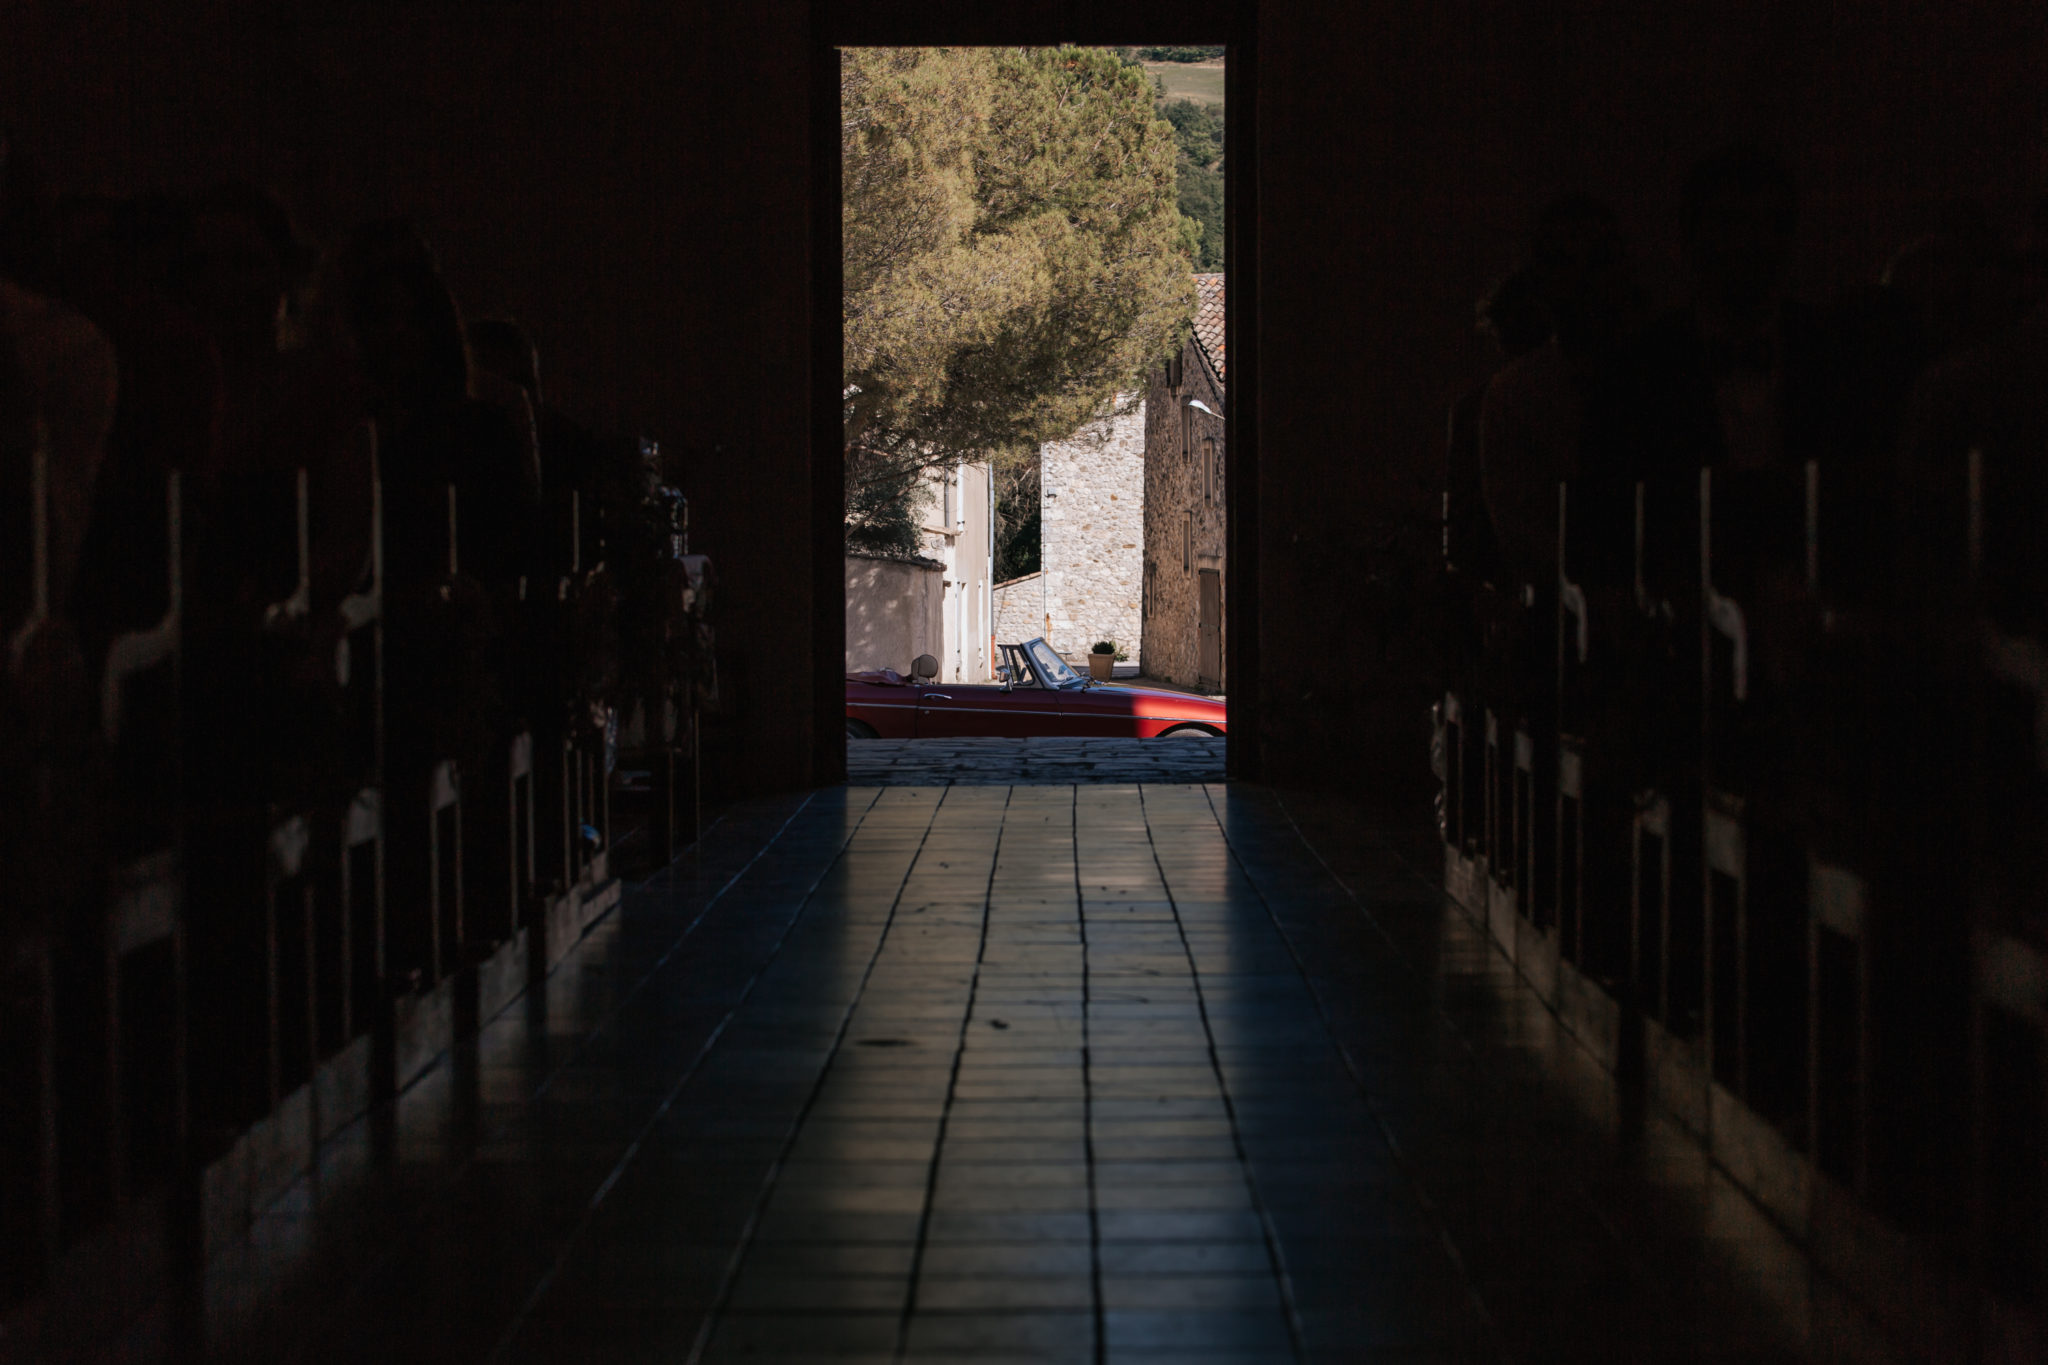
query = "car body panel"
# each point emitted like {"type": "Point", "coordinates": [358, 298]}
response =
{"type": "Point", "coordinates": [896, 707]}
{"type": "Point", "coordinates": [889, 708]}
{"type": "Point", "coordinates": [957, 709]}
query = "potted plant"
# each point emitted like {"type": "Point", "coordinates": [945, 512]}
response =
{"type": "Point", "coordinates": [1102, 660]}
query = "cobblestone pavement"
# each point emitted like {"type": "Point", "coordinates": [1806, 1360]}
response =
{"type": "Point", "coordinates": [1030, 762]}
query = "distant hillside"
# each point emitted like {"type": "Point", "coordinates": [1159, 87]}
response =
{"type": "Point", "coordinates": [1189, 80]}
{"type": "Point", "coordinates": [1198, 131]}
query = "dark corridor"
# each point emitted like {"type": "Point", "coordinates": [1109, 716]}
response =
{"type": "Point", "coordinates": [435, 921]}
{"type": "Point", "coordinates": [1161, 1073]}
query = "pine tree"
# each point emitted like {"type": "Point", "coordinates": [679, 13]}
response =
{"type": "Point", "coordinates": [1014, 257]}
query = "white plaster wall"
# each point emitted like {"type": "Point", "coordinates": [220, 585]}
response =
{"type": "Point", "coordinates": [893, 612]}
{"type": "Point", "coordinates": [1092, 510]}
{"type": "Point", "coordinates": [955, 535]}
{"type": "Point", "coordinates": [971, 569]}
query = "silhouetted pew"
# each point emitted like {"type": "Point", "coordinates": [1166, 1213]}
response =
{"type": "Point", "coordinates": [1752, 588]}
{"type": "Point", "coordinates": [1667, 925]}
{"type": "Point", "coordinates": [2004, 635]}
{"type": "Point", "coordinates": [1801, 841]}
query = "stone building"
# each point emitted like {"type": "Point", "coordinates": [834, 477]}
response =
{"type": "Point", "coordinates": [1092, 519]}
{"type": "Point", "coordinates": [1020, 608]}
{"type": "Point", "coordinates": [1185, 572]}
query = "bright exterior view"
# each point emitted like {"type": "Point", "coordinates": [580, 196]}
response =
{"type": "Point", "coordinates": [1034, 392]}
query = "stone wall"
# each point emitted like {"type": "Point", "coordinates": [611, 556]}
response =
{"type": "Point", "coordinates": [1184, 518]}
{"type": "Point", "coordinates": [1092, 509]}
{"type": "Point", "coordinates": [1020, 609]}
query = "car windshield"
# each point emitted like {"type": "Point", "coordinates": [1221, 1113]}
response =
{"type": "Point", "coordinates": [1052, 665]}
{"type": "Point", "coordinates": [1016, 672]}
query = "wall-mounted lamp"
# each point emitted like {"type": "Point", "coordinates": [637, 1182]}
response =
{"type": "Point", "coordinates": [1198, 403]}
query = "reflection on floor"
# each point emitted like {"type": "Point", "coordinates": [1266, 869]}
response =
{"type": "Point", "coordinates": [1003, 762]}
{"type": "Point", "coordinates": [985, 1073]}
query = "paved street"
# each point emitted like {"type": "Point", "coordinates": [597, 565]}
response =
{"type": "Point", "coordinates": [1001, 762]}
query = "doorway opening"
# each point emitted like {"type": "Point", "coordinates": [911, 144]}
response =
{"type": "Point", "coordinates": [1023, 325]}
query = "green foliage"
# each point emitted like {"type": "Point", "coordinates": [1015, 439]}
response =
{"type": "Point", "coordinates": [1014, 253]}
{"type": "Point", "coordinates": [1198, 134]}
{"type": "Point", "coordinates": [1019, 554]}
{"type": "Point", "coordinates": [881, 505]}
{"type": "Point", "coordinates": [1197, 130]}
{"type": "Point", "coordinates": [1201, 199]}
{"type": "Point", "coordinates": [1018, 538]}
{"type": "Point", "coordinates": [1180, 54]}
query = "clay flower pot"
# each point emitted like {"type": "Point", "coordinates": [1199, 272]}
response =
{"type": "Point", "coordinates": [1101, 666]}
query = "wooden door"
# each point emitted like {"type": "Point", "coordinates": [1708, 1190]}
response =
{"type": "Point", "coordinates": [1210, 665]}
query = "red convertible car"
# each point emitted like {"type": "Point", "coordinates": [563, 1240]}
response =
{"type": "Point", "coordinates": [1038, 695]}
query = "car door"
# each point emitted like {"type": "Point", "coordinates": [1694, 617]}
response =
{"type": "Point", "coordinates": [1099, 712]}
{"type": "Point", "coordinates": [952, 710]}
{"type": "Point", "coordinates": [890, 710]}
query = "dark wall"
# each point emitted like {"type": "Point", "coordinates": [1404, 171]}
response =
{"type": "Point", "coordinates": [633, 181]}
{"type": "Point", "coordinates": [626, 179]}
{"type": "Point", "coordinates": [1401, 147]}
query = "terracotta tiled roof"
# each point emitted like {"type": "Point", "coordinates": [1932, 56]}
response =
{"type": "Point", "coordinates": [1209, 318]}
